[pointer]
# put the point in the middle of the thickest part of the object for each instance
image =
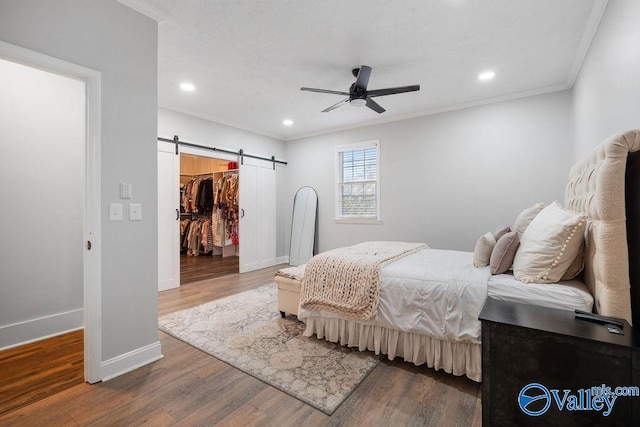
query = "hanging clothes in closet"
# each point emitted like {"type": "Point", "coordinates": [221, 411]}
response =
{"type": "Point", "coordinates": [196, 199]}
{"type": "Point", "coordinates": [197, 236]}
{"type": "Point", "coordinates": [197, 196]}
{"type": "Point", "coordinates": [225, 216]}
{"type": "Point", "coordinates": [213, 205]}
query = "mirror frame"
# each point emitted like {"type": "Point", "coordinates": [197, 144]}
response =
{"type": "Point", "coordinates": [304, 234]}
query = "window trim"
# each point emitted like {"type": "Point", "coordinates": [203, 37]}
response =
{"type": "Point", "coordinates": [337, 169]}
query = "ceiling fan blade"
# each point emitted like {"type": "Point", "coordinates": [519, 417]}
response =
{"type": "Point", "coordinates": [334, 92]}
{"type": "Point", "coordinates": [374, 106]}
{"type": "Point", "coordinates": [393, 90]}
{"type": "Point", "coordinates": [363, 77]}
{"type": "Point", "coordinates": [336, 105]}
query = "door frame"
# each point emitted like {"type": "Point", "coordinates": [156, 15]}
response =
{"type": "Point", "coordinates": [92, 270]}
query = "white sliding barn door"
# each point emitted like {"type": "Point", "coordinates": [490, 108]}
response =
{"type": "Point", "coordinates": [168, 216]}
{"type": "Point", "coordinates": [257, 216]}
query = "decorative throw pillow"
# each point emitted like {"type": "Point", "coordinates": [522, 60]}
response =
{"type": "Point", "coordinates": [549, 245]}
{"type": "Point", "coordinates": [525, 217]}
{"type": "Point", "coordinates": [483, 249]}
{"type": "Point", "coordinates": [501, 231]}
{"type": "Point", "coordinates": [504, 252]}
{"type": "Point", "coordinates": [576, 265]}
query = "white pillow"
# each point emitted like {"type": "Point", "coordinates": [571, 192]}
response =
{"type": "Point", "coordinates": [549, 245]}
{"type": "Point", "coordinates": [525, 217]}
{"type": "Point", "coordinates": [483, 249]}
{"type": "Point", "coordinates": [577, 265]}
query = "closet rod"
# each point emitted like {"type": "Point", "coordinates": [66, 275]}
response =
{"type": "Point", "coordinates": [240, 153]}
{"type": "Point", "coordinates": [199, 174]}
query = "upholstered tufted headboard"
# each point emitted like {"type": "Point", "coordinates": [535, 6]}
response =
{"type": "Point", "coordinates": [597, 187]}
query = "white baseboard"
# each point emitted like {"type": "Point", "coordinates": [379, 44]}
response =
{"type": "Point", "coordinates": [282, 260]}
{"type": "Point", "coordinates": [130, 361]}
{"type": "Point", "coordinates": [259, 265]}
{"type": "Point", "coordinates": [165, 285]}
{"type": "Point", "coordinates": [37, 329]}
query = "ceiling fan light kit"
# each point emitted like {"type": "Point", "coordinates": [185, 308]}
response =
{"type": "Point", "coordinates": [358, 95]}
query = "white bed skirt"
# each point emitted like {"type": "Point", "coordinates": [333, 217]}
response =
{"type": "Point", "coordinates": [457, 358]}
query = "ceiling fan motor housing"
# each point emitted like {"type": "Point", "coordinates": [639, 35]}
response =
{"type": "Point", "coordinates": [357, 93]}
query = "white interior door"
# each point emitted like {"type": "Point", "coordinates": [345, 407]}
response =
{"type": "Point", "coordinates": [168, 216]}
{"type": "Point", "coordinates": [257, 216]}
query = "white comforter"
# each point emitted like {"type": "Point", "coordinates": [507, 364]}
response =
{"type": "Point", "coordinates": [433, 292]}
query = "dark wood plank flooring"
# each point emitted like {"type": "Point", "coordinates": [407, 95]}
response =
{"type": "Point", "coordinates": [34, 371]}
{"type": "Point", "coordinates": [189, 387]}
{"type": "Point", "coordinates": [204, 267]}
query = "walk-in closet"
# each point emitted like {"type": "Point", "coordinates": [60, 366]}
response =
{"type": "Point", "coordinates": [209, 218]}
{"type": "Point", "coordinates": [216, 212]}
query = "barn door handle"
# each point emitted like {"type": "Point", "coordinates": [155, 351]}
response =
{"type": "Point", "coordinates": [177, 214]}
{"type": "Point", "coordinates": [241, 213]}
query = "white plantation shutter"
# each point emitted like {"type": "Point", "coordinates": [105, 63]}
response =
{"type": "Point", "coordinates": [357, 181]}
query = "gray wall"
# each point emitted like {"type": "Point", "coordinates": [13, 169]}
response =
{"type": "Point", "coordinates": [205, 132]}
{"type": "Point", "coordinates": [607, 92]}
{"type": "Point", "coordinates": [122, 44]}
{"type": "Point", "coordinates": [446, 179]}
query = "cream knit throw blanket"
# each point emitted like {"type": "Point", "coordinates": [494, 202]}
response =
{"type": "Point", "coordinates": [346, 281]}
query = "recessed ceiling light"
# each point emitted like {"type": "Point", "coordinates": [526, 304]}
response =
{"type": "Point", "coordinates": [487, 75]}
{"type": "Point", "coordinates": [287, 122]}
{"type": "Point", "coordinates": [187, 87]}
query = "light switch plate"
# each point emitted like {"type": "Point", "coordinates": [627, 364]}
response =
{"type": "Point", "coordinates": [135, 212]}
{"type": "Point", "coordinates": [115, 212]}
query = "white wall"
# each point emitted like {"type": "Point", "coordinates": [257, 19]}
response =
{"type": "Point", "coordinates": [42, 122]}
{"type": "Point", "coordinates": [122, 44]}
{"type": "Point", "coordinates": [607, 91]}
{"type": "Point", "coordinates": [447, 179]}
{"type": "Point", "coordinates": [204, 132]}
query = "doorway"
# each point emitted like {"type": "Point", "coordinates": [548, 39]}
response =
{"type": "Point", "coordinates": [209, 218]}
{"type": "Point", "coordinates": [49, 118]}
{"type": "Point", "coordinates": [91, 207]}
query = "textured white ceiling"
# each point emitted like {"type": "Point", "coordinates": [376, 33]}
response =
{"type": "Point", "coordinates": [249, 58]}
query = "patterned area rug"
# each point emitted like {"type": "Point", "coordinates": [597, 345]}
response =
{"type": "Point", "coordinates": [247, 331]}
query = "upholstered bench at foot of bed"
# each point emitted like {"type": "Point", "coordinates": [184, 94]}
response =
{"type": "Point", "coordinates": [289, 283]}
{"type": "Point", "coordinates": [288, 295]}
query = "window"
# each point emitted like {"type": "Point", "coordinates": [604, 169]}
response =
{"type": "Point", "coordinates": [358, 182]}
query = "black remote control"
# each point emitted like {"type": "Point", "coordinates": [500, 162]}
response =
{"type": "Point", "coordinates": [597, 318]}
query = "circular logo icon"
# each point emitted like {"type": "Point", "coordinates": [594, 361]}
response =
{"type": "Point", "coordinates": [529, 397]}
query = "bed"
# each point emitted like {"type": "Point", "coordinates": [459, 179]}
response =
{"type": "Point", "coordinates": [428, 300]}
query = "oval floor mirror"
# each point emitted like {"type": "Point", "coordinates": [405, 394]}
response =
{"type": "Point", "coordinates": [303, 226]}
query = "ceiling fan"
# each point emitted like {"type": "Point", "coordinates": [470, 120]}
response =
{"type": "Point", "coordinates": [358, 95]}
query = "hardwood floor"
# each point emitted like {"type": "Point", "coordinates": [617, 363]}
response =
{"type": "Point", "coordinates": [203, 267]}
{"type": "Point", "coordinates": [189, 387]}
{"type": "Point", "coordinates": [34, 371]}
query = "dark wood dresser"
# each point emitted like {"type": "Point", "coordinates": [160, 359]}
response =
{"type": "Point", "coordinates": [543, 359]}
